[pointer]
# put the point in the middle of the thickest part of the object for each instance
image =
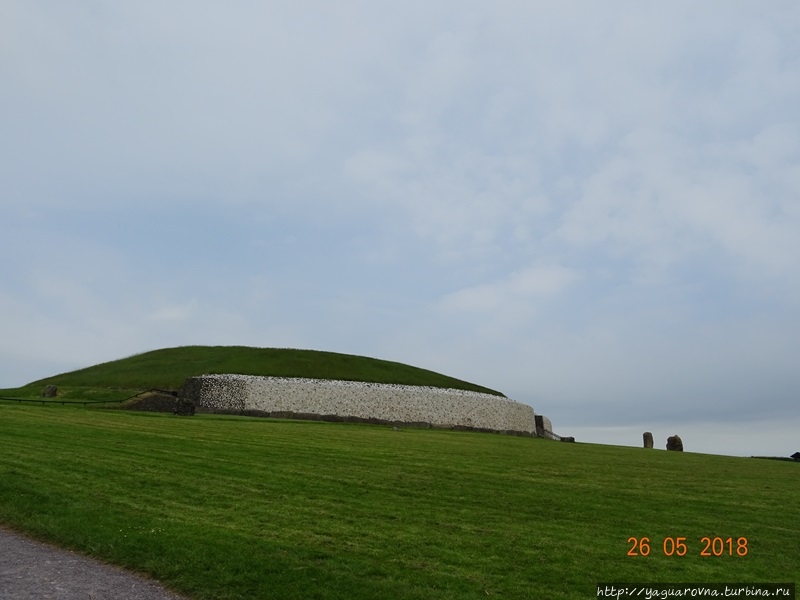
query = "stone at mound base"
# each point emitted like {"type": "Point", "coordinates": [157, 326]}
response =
{"type": "Point", "coordinates": [544, 428]}
{"type": "Point", "coordinates": [675, 443]}
{"type": "Point", "coordinates": [648, 439]}
{"type": "Point", "coordinates": [184, 407]}
{"type": "Point", "coordinates": [50, 391]}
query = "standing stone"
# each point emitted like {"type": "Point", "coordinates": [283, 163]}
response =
{"type": "Point", "coordinates": [674, 443]}
{"type": "Point", "coordinates": [648, 439]}
{"type": "Point", "coordinates": [50, 391]}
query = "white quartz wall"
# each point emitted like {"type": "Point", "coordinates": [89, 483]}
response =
{"type": "Point", "coordinates": [391, 403]}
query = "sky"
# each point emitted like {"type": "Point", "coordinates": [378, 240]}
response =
{"type": "Point", "coordinates": [591, 207]}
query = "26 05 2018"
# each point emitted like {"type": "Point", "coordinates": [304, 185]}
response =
{"type": "Point", "coordinates": [678, 546]}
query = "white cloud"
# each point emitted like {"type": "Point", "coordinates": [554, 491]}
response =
{"type": "Point", "coordinates": [175, 313]}
{"type": "Point", "coordinates": [664, 202]}
{"type": "Point", "coordinates": [521, 286]}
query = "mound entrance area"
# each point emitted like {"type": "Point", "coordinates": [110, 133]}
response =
{"type": "Point", "coordinates": [359, 401]}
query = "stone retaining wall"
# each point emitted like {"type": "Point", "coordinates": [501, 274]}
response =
{"type": "Point", "coordinates": [359, 401]}
{"type": "Point", "coordinates": [151, 401]}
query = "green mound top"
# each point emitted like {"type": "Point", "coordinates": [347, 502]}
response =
{"type": "Point", "coordinates": [170, 367]}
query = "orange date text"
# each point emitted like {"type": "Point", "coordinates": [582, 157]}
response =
{"type": "Point", "coordinates": [678, 546]}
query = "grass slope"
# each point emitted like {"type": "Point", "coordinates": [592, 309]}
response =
{"type": "Point", "coordinates": [168, 368]}
{"type": "Point", "coordinates": [224, 508]}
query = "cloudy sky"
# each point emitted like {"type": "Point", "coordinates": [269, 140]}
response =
{"type": "Point", "coordinates": [592, 207]}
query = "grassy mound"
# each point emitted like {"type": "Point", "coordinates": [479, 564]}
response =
{"type": "Point", "coordinates": [168, 368]}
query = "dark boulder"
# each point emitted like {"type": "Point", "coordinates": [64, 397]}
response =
{"type": "Point", "coordinates": [184, 407]}
{"type": "Point", "coordinates": [675, 443]}
{"type": "Point", "coordinates": [50, 391]}
{"type": "Point", "coordinates": [648, 439]}
{"type": "Point", "coordinates": [568, 439]}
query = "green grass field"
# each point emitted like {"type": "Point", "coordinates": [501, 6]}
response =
{"type": "Point", "coordinates": [168, 368]}
{"type": "Point", "coordinates": [233, 507]}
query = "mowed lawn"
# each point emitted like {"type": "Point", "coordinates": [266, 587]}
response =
{"type": "Point", "coordinates": [235, 507]}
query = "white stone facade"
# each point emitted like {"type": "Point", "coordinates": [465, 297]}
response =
{"type": "Point", "coordinates": [437, 407]}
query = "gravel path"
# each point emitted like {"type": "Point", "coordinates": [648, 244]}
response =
{"type": "Point", "coordinates": [31, 570]}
